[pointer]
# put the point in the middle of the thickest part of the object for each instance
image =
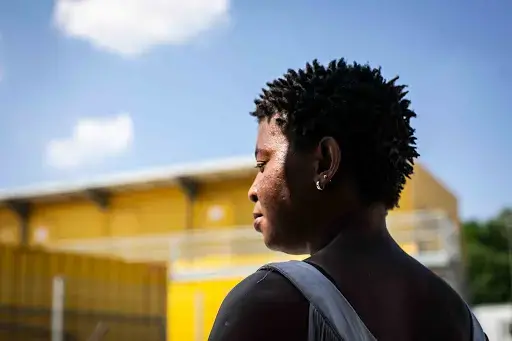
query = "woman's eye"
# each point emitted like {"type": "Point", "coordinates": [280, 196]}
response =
{"type": "Point", "coordinates": [260, 166]}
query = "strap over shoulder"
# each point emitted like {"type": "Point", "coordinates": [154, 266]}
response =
{"type": "Point", "coordinates": [325, 298]}
{"type": "Point", "coordinates": [478, 332]}
{"type": "Point", "coordinates": [330, 303]}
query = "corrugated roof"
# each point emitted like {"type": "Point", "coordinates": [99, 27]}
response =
{"type": "Point", "coordinates": [198, 171]}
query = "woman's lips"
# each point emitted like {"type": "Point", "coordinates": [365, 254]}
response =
{"type": "Point", "coordinates": [257, 221]}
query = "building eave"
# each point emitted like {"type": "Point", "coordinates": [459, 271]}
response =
{"type": "Point", "coordinates": [201, 171]}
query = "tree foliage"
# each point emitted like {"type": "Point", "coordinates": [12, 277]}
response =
{"type": "Point", "coordinates": [488, 262]}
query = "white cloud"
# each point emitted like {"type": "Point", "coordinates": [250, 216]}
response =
{"type": "Point", "coordinates": [132, 27]}
{"type": "Point", "coordinates": [91, 141]}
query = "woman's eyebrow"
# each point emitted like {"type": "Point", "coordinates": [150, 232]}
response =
{"type": "Point", "coordinates": [260, 152]}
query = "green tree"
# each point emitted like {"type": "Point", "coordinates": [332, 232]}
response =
{"type": "Point", "coordinates": [488, 261]}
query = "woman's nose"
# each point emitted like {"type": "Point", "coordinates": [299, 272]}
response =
{"type": "Point", "coordinates": [253, 196]}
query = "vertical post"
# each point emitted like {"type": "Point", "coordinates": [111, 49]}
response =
{"type": "Point", "coordinates": [190, 188]}
{"type": "Point", "coordinates": [199, 316]}
{"type": "Point", "coordinates": [22, 209]}
{"type": "Point", "coordinates": [57, 320]}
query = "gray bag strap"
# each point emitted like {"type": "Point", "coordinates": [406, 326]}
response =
{"type": "Point", "coordinates": [478, 332]}
{"type": "Point", "coordinates": [325, 298]}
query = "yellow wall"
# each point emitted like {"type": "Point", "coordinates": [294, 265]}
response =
{"type": "Point", "coordinates": [430, 194]}
{"type": "Point", "coordinates": [422, 192]}
{"type": "Point", "coordinates": [137, 213]}
{"type": "Point", "coordinates": [9, 227]}
{"type": "Point", "coordinates": [192, 307]}
{"type": "Point", "coordinates": [132, 214]}
{"type": "Point", "coordinates": [231, 196]}
{"type": "Point", "coordinates": [93, 287]}
{"type": "Point", "coordinates": [406, 203]}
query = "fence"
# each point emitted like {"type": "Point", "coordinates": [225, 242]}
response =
{"type": "Point", "coordinates": [429, 236]}
{"type": "Point", "coordinates": [61, 297]}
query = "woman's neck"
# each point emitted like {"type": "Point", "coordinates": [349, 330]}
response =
{"type": "Point", "coordinates": [359, 229]}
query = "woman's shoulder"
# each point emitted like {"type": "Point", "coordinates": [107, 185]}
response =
{"type": "Point", "coordinates": [264, 301]}
{"type": "Point", "coordinates": [263, 290]}
{"type": "Point", "coordinates": [439, 308]}
{"type": "Point", "coordinates": [265, 286]}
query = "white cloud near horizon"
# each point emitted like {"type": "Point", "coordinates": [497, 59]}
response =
{"type": "Point", "coordinates": [133, 27]}
{"type": "Point", "coordinates": [92, 140]}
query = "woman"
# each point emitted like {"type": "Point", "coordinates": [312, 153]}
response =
{"type": "Point", "coordinates": [334, 150]}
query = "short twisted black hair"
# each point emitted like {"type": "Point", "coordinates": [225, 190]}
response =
{"type": "Point", "coordinates": [353, 103]}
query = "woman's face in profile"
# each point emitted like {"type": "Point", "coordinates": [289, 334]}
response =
{"type": "Point", "coordinates": [283, 191]}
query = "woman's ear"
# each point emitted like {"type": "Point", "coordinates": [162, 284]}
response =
{"type": "Point", "coordinates": [329, 158]}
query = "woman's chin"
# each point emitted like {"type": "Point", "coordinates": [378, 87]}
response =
{"type": "Point", "coordinates": [272, 242]}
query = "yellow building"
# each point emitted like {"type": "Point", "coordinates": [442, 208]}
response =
{"type": "Point", "coordinates": [210, 195]}
{"type": "Point", "coordinates": [127, 297]}
{"type": "Point", "coordinates": [199, 218]}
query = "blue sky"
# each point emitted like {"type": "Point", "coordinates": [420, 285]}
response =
{"type": "Point", "coordinates": [175, 84]}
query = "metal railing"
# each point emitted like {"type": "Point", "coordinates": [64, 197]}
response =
{"type": "Point", "coordinates": [428, 236]}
